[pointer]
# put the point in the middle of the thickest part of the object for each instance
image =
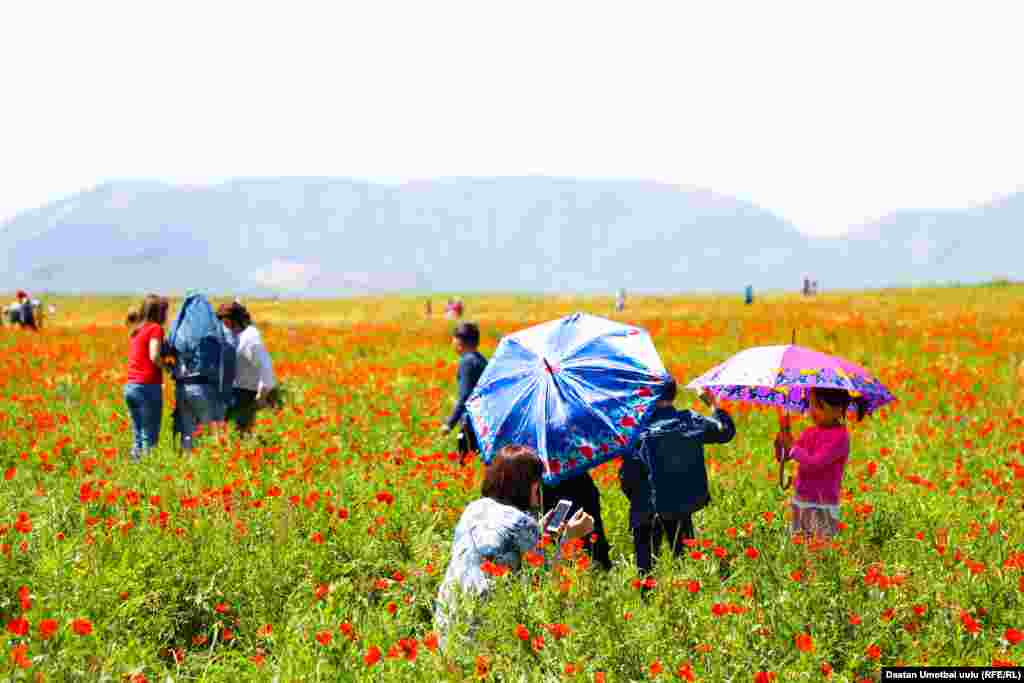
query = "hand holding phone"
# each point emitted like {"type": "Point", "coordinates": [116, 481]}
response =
{"type": "Point", "coordinates": [558, 516]}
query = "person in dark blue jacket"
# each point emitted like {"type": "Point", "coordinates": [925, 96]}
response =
{"type": "Point", "coordinates": [465, 341]}
{"type": "Point", "coordinates": [674, 444]}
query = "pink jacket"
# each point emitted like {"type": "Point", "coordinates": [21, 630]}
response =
{"type": "Point", "coordinates": [822, 453]}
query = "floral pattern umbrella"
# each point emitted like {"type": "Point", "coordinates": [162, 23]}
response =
{"type": "Point", "coordinates": [781, 375]}
{"type": "Point", "coordinates": [578, 390]}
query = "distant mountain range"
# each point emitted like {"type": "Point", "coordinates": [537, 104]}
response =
{"type": "Point", "coordinates": [333, 237]}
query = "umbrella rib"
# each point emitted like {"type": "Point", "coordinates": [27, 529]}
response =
{"type": "Point", "coordinates": [590, 408]}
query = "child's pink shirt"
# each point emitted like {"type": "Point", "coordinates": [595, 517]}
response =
{"type": "Point", "coordinates": [822, 453]}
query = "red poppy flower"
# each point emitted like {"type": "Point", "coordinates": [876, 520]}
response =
{"type": "Point", "coordinates": [321, 591]}
{"type": "Point", "coordinates": [764, 677]}
{"type": "Point", "coordinates": [1013, 636]}
{"type": "Point", "coordinates": [47, 627]}
{"type": "Point", "coordinates": [643, 391]}
{"type": "Point", "coordinates": [627, 421]}
{"type": "Point", "coordinates": [82, 627]}
{"type": "Point", "coordinates": [752, 553]}
{"type": "Point", "coordinates": [431, 640]}
{"type": "Point", "coordinates": [685, 672]}
{"type": "Point", "coordinates": [826, 669]}
{"type": "Point", "coordinates": [855, 619]}
{"type": "Point", "coordinates": [522, 633]}
{"type": "Point", "coordinates": [587, 452]}
{"type": "Point", "coordinates": [372, 655]}
{"type": "Point", "coordinates": [18, 627]}
{"type": "Point", "coordinates": [656, 668]}
{"type": "Point", "coordinates": [804, 643]}
{"type": "Point", "coordinates": [265, 631]}
{"type": "Point", "coordinates": [25, 597]}
{"type": "Point", "coordinates": [324, 637]}
{"type": "Point", "coordinates": [537, 643]}
{"type": "Point", "coordinates": [874, 652]}
{"type": "Point", "coordinates": [693, 586]}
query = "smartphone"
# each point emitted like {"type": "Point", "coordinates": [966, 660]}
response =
{"type": "Point", "coordinates": [559, 516]}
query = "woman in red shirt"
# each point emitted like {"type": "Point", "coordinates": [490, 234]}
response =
{"type": "Point", "coordinates": [143, 391]}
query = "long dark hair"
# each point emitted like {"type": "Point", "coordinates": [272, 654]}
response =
{"type": "Point", "coordinates": [153, 310]}
{"type": "Point", "coordinates": [510, 477]}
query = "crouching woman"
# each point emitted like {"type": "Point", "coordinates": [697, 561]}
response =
{"type": "Point", "coordinates": [496, 531]}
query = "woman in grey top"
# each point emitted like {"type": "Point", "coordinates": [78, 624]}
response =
{"type": "Point", "coordinates": [497, 530]}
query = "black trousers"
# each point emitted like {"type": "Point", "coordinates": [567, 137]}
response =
{"type": "Point", "coordinates": [583, 493]}
{"type": "Point", "coordinates": [467, 445]}
{"type": "Point", "coordinates": [647, 539]}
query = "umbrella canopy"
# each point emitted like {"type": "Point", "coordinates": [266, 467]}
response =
{"type": "Point", "coordinates": [781, 375]}
{"type": "Point", "coordinates": [577, 390]}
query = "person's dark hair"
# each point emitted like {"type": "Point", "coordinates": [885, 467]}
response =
{"type": "Point", "coordinates": [511, 476]}
{"type": "Point", "coordinates": [841, 399]}
{"type": "Point", "coordinates": [467, 333]}
{"type": "Point", "coordinates": [669, 390]}
{"type": "Point", "coordinates": [236, 313]}
{"type": "Point", "coordinates": [152, 310]}
{"type": "Point", "coordinates": [132, 318]}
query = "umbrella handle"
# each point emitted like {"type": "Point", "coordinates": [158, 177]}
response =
{"type": "Point", "coordinates": [784, 481]}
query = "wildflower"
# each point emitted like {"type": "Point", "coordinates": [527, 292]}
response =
{"type": "Point", "coordinates": [483, 665]}
{"type": "Point", "coordinates": [537, 643]}
{"type": "Point", "coordinates": [693, 586]}
{"type": "Point", "coordinates": [348, 630]}
{"type": "Point", "coordinates": [826, 669]}
{"type": "Point", "coordinates": [558, 631]}
{"type": "Point", "coordinates": [599, 677]}
{"type": "Point", "coordinates": [431, 640]}
{"type": "Point", "coordinates": [804, 643]}
{"type": "Point", "coordinates": [25, 597]}
{"type": "Point", "coordinates": [47, 627]}
{"type": "Point", "coordinates": [82, 627]}
{"type": "Point", "coordinates": [764, 677]}
{"type": "Point", "coordinates": [321, 591]}
{"type": "Point", "coordinates": [18, 627]}
{"type": "Point", "coordinates": [796, 575]}
{"type": "Point", "coordinates": [372, 655]}
{"type": "Point", "coordinates": [221, 608]}
{"type": "Point", "coordinates": [1013, 636]}
{"type": "Point", "coordinates": [18, 656]}
{"type": "Point", "coordinates": [873, 651]}
{"type": "Point", "coordinates": [685, 672]}
{"type": "Point", "coordinates": [970, 625]}
{"type": "Point", "coordinates": [324, 637]}
{"type": "Point", "coordinates": [752, 553]}
{"type": "Point", "coordinates": [656, 668]}
{"type": "Point", "coordinates": [855, 619]}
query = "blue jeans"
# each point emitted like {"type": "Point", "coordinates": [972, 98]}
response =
{"type": "Point", "coordinates": [145, 403]}
{"type": "Point", "coordinates": [198, 405]}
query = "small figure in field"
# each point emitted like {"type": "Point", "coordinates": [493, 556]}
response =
{"type": "Point", "coordinates": [23, 312]}
{"type": "Point", "coordinates": [748, 295]}
{"type": "Point", "coordinates": [465, 340]}
{"type": "Point", "coordinates": [620, 300]}
{"type": "Point", "coordinates": [814, 288]}
{"type": "Point", "coordinates": [428, 309]}
{"type": "Point", "coordinates": [666, 480]}
{"type": "Point", "coordinates": [822, 451]}
{"type": "Point", "coordinates": [806, 291]}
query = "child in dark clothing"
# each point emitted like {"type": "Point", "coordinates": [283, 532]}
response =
{"type": "Point", "coordinates": [675, 447]}
{"type": "Point", "coordinates": [465, 341]}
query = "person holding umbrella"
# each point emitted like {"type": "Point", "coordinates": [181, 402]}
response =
{"type": "Point", "coordinates": [578, 390]}
{"type": "Point", "coordinates": [822, 451]}
{"type": "Point", "coordinates": [798, 379]}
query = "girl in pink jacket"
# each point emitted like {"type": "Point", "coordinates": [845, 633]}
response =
{"type": "Point", "coordinates": [822, 451]}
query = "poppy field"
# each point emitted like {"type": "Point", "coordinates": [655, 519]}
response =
{"type": "Point", "coordinates": [312, 550]}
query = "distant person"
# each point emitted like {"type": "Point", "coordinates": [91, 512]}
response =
{"type": "Point", "coordinates": [459, 308]}
{"type": "Point", "coordinates": [673, 444]}
{"type": "Point", "coordinates": [620, 300]}
{"type": "Point", "coordinates": [143, 389]}
{"type": "Point", "coordinates": [255, 383]}
{"type": "Point", "coordinates": [814, 287]}
{"type": "Point", "coordinates": [465, 340]}
{"type": "Point", "coordinates": [807, 287]}
{"type": "Point", "coordinates": [23, 312]}
{"type": "Point", "coordinates": [449, 309]}
{"type": "Point", "coordinates": [748, 295]}
{"type": "Point", "coordinates": [428, 310]}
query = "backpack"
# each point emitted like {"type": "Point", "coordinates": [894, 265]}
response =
{"type": "Point", "coordinates": [201, 346]}
{"type": "Point", "coordinates": [672, 451]}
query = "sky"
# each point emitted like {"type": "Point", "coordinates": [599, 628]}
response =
{"type": "Point", "coordinates": [828, 114]}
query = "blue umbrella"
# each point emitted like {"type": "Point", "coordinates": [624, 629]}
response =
{"type": "Point", "coordinates": [577, 390]}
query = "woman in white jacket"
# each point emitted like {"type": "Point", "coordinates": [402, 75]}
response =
{"type": "Point", "coordinates": [255, 383]}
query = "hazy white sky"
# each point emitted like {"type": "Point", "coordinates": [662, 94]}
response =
{"type": "Point", "coordinates": [826, 113]}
